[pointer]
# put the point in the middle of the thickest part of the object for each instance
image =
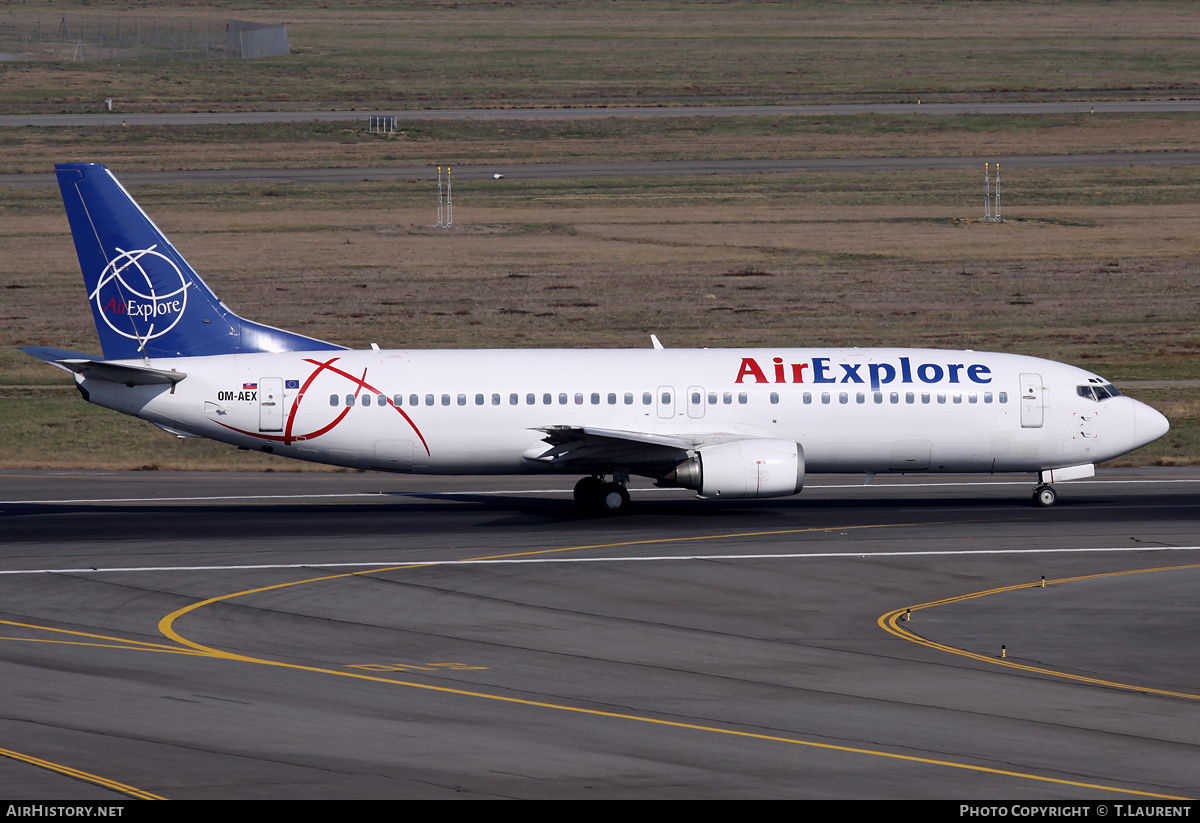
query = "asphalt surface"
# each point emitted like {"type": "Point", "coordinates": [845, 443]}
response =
{"type": "Point", "coordinates": [328, 636]}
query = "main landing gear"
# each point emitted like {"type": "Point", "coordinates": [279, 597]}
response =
{"type": "Point", "coordinates": [595, 495]}
{"type": "Point", "coordinates": [1044, 496]}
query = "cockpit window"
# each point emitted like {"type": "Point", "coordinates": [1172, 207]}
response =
{"type": "Point", "coordinates": [1099, 393]}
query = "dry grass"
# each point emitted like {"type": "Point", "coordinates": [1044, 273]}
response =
{"type": "Point", "coordinates": [561, 265]}
{"type": "Point", "coordinates": [140, 148]}
{"type": "Point", "coordinates": [1097, 267]}
{"type": "Point", "coordinates": [410, 53]}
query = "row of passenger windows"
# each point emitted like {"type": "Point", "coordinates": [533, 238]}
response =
{"type": "Point", "coordinates": [909, 397]}
{"type": "Point", "coordinates": [696, 398]}
{"type": "Point", "coordinates": [531, 399]}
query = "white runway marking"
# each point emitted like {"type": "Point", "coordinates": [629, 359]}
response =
{"type": "Point", "coordinates": [874, 486]}
{"type": "Point", "coordinates": [379, 564]}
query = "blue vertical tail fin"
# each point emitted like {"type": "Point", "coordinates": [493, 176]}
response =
{"type": "Point", "coordinates": [146, 300]}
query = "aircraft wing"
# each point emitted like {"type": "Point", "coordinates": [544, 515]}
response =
{"type": "Point", "coordinates": [584, 448]}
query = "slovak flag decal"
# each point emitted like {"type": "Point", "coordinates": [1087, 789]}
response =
{"type": "Point", "coordinates": [249, 386]}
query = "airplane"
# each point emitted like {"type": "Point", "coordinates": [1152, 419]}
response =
{"type": "Point", "coordinates": [725, 423]}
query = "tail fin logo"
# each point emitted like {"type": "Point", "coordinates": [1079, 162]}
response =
{"type": "Point", "coordinates": [141, 294]}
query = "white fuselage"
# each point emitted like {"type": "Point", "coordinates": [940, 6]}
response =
{"type": "Point", "coordinates": [484, 411]}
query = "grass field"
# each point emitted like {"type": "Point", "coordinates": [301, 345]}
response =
{"type": "Point", "coordinates": [462, 143]}
{"type": "Point", "coordinates": [411, 53]}
{"type": "Point", "coordinates": [832, 260]}
{"type": "Point", "coordinates": [1095, 266]}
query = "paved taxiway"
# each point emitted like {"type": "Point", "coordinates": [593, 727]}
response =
{"type": "Point", "coordinates": [206, 636]}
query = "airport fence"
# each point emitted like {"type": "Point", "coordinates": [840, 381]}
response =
{"type": "Point", "coordinates": [135, 38]}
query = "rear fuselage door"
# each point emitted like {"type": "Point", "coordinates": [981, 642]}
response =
{"type": "Point", "coordinates": [270, 404]}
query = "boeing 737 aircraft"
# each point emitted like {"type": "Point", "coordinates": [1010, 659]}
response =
{"type": "Point", "coordinates": [728, 423]}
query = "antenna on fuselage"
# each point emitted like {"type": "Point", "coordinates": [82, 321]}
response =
{"type": "Point", "coordinates": [657, 345]}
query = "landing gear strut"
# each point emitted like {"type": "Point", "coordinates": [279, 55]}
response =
{"type": "Point", "coordinates": [1044, 496]}
{"type": "Point", "coordinates": [595, 495]}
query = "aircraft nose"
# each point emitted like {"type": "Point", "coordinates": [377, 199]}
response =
{"type": "Point", "coordinates": [1148, 424]}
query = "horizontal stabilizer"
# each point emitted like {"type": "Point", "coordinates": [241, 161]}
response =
{"type": "Point", "coordinates": [55, 356]}
{"type": "Point", "coordinates": [122, 373]}
{"type": "Point", "coordinates": [94, 369]}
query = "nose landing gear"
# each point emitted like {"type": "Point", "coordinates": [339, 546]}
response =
{"type": "Point", "coordinates": [1044, 496]}
{"type": "Point", "coordinates": [595, 495]}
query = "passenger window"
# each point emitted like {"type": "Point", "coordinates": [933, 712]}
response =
{"type": "Point", "coordinates": [727, 398]}
{"type": "Point", "coordinates": [349, 400]}
{"type": "Point", "coordinates": [775, 397]}
{"type": "Point", "coordinates": [1003, 397]}
{"type": "Point", "coordinates": [595, 398]}
{"type": "Point", "coordinates": [860, 398]}
{"type": "Point", "coordinates": [647, 398]}
{"type": "Point", "coordinates": [515, 399]}
{"type": "Point", "coordinates": [382, 399]}
{"type": "Point", "coordinates": [987, 397]}
{"type": "Point", "coordinates": [877, 397]}
{"type": "Point", "coordinates": [941, 398]}
{"type": "Point", "coordinates": [909, 397]}
{"type": "Point", "coordinates": [825, 398]}
{"type": "Point", "coordinates": [612, 398]}
{"type": "Point", "coordinates": [666, 398]}
{"type": "Point", "coordinates": [479, 400]}
{"type": "Point", "coordinates": [495, 400]}
{"type": "Point", "coordinates": [924, 397]}
{"type": "Point", "coordinates": [628, 398]}
{"type": "Point", "coordinates": [333, 400]}
{"type": "Point", "coordinates": [844, 398]}
{"type": "Point", "coordinates": [578, 398]}
{"type": "Point", "coordinates": [429, 399]}
{"type": "Point", "coordinates": [398, 400]}
{"type": "Point", "coordinates": [530, 399]}
{"type": "Point", "coordinates": [562, 399]}
{"type": "Point", "coordinates": [712, 398]}
{"type": "Point", "coordinates": [445, 400]}
{"type": "Point", "coordinates": [972, 398]}
{"type": "Point", "coordinates": [958, 398]}
{"type": "Point", "coordinates": [895, 397]}
{"type": "Point", "coordinates": [366, 400]}
{"type": "Point", "coordinates": [695, 398]}
{"type": "Point", "coordinates": [806, 399]}
{"type": "Point", "coordinates": [742, 398]}
{"type": "Point", "coordinates": [547, 399]}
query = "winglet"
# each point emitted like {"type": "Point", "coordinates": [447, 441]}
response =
{"type": "Point", "coordinates": [657, 345]}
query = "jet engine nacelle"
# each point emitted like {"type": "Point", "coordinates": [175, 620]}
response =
{"type": "Point", "coordinates": [742, 469]}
